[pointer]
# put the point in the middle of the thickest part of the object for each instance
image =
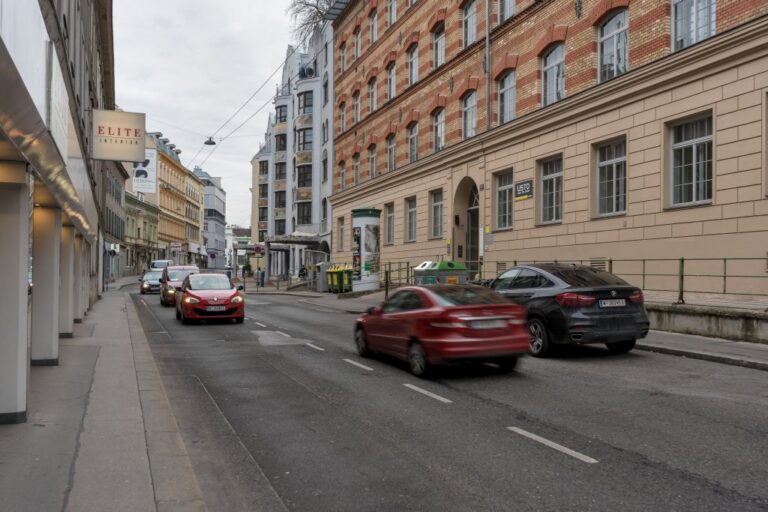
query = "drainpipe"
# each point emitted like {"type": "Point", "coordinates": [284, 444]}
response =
{"type": "Point", "coordinates": [487, 66]}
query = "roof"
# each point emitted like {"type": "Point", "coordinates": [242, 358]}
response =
{"type": "Point", "coordinates": [241, 232]}
{"type": "Point", "coordinates": [336, 9]}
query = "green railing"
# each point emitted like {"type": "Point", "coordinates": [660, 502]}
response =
{"type": "Point", "coordinates": [721, 276]}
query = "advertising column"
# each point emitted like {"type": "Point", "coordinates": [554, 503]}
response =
{"type": "Point", "coordinates": [365, 249]}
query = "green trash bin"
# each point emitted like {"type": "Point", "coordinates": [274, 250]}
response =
{"type": "Point", "coordinates": [447, 272]}
{"type": "Point", "coordinates": [347, 278]}
{"type": "Point", "coordinates": [333, 279]}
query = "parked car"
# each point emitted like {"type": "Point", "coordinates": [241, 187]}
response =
{"type": "Point", "coordinates": [159, 264]}
{"type": "Point", "coordinates": [575, 304]}
{"type": "Point", "coordinates": [150, 282]}
{"type": "Point", "coordinates": [171, 278]}
{"type": "Point", "coordinates": [209, 296]}
{"type": "Point", "coordinates": [431, 325]}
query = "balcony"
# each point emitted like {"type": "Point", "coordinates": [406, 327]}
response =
{"type": "Point", "coordinates": [303, 194]}
{"type": "Point", "coordinates": [278, 185]}
{"type": "Point", "coordinates": [263, 178]}
{"type": "Point", "coordinates": [263, 225]}
{"type": "Point", "coordinates": [303, 121]}
{"type": "Point", "coordinates": [280, 156]}
{"type": "Point", "coordinates": [304, 157]}
{"type": "Point", "coordinates": [279, 213]}
{"type": "Point", "coordinates": [281, 128]}
{"type": "Point", "coordinates": [263, 201]}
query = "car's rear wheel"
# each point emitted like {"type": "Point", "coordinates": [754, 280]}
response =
{"type": "Point", "coordinates": [540, 344]}
{"type": "Point", "coordinates": [183, 318]}
{"type": "Point", "coordinates": [507, 364]}
{"type": "Point", "coordinates": [621, 347]}
{"type": "Point", "coordinates": [417, 361]}
{"type": "Point", "coordinates": [178, 314]}
{"type": "Point", "coordinates": [361, 342]}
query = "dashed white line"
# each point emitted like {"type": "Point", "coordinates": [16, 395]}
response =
{"type": "Point", "coordinates": [355, 363]}
{"type": "Point", "coordinates": [321, 349]}
{"type": "Point", "coordinates": [283, 334]}
{"type": "Point", "coordinates": [428, 393]}
{"type": "Point", "coordinates": [258, 323]}
{"type": "Point", "coordinates": [554, 445]}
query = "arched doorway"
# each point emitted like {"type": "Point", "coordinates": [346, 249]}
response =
{"type": "Point", "coordinates": [466, 225]}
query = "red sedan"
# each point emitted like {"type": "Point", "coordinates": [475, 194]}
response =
{"type": "Point", "coordinates": [430, 325]}
{"type": "Point", "coordinates": [208, 297]}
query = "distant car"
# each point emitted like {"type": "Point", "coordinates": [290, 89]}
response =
{"type": "Point", "coordinates": [431, 325]}
{"type": "Point", "coordinates": [575, 304]}
{"type": "Point", "coordinates": [208, 297]}
{"type": "Point", "coordinates": [150, 282]}
{"type": "Point", "coordinates": [171, 278]}
{"type": "Point", "coordinates": [159, 264]}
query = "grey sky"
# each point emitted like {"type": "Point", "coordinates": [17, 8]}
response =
{"type": "Point", "coordinates": [189, 64]}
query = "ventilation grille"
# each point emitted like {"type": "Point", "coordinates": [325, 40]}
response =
{"type": "Point", "coordinates": [501, 266]}
{"type": "Point", "coordinates": [599, 263]}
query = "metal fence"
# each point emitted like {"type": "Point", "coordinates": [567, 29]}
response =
{"type": "Point", "coordinates": [720, 276]}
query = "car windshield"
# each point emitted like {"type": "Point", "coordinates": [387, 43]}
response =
{"type": "Point", "coordinates": [152, 276]}
{"type": "Point", "coordinates": [209, 283]}
{"type": "Point", "coordinates": [178, 275]}
{"type": "Point", "coordinates": [466, 296]}
{"type": "Point", "coordinates": [159, 264]}
{"type": "Point", "coordinates": [582, 276]}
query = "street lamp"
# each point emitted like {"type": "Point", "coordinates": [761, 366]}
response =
{"type": "Point", "coordinates": [210, 142]}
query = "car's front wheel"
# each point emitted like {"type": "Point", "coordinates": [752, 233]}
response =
{"type": "Point", "coordinates": [239, 319]}
{"type": "Point", "coordinates": [417, 361]}
{"type": "Point", "coordinates": [540, 344]}
{"type": "Point", "coordinates": [621, 347]}
{"type": "Point", "coordinates": [361, 342]}
{"type": "Point", "coordinates": [178, 314]}
{"type": "Point", "coordinates": [183, 318]}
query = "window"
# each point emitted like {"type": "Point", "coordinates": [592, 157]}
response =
{"type": "Point", "coordinates": [343, 57]}
{"type": "Point", "coordinates": [264, 168]}
{"type": "Point", "coordinates": [325, 166]}
{"type": "Point", "coordinates": [553, 80]}
{"type": "Point", "coordinates": [504, 200]}
{"type": "Point", "coordinates": [280, 171]}
{"type": "Point", "coordinates": [356, 106]}
{"type": "Point", "coordinates": [391, 152]}
{"type": "Point", "coordinates": [304, 140]}
{"type": "Point", "coordinates": [280, 199]}
{"type": "Point", "coordinates": [692, 21]}
{"type": "Point", "coordinates": [391, 81]}
{"type": "Point", "coordinates": [324, 215]}
{"type": "Point", "coordinates": [304, 213]}
{"type": "Point", "coordinates": [507, 98]}
{"type": "Point", "coordinates": [304, 176]}
{"type": "Point", "coordinates": [280, 142]}
{"type": "Point", "coordinates": [342, 117]}
{"type": "Point", "coordinates": [552, 190]}
{"type": "Point", "coordinates": [692, 162]}
{"type": "Point", "coordinates": [356, 169]}
{"type": "Point", "coordinates": [280, 226]}
{"type": "Point", "coordinates": [436, 209]}
{"type": "Point", "coordinates": [305, 102]}
{"type": "Point", "coordinates": [372, 160]}
{"type": "Point", "coordinates": [469, 22]}
{"type": "Point", "coordinates": [438, 129]}
{"type": "Point", "coordinates": [413, 142]}
{"type": "Point", "coordinates": [389, 219]}
{"type": "Point", "coordinates": [264, 191]}
{"type": "Point", "coordinates": [342, 176]}
{"type": "Point", "coordinates": [612, 178]}
{"type": "Point", "coordinates": [413, 64]}
{"type": "Point", "coordinates": [372, 94]}
{"type": "Point", "coordinates": [262, 236]}
{"type": "Point", "coordinates": [325, 89]}
{"type": "Point", "coordinates": [325, 131]}
{"type": "Point", "coordinates": [357, 43]}
{"type": "Point", "coordinates": [506, 9]}
{"type": "Point", "coordinates": [391, 12]}
{"type": "Point", "coordinates": [613, 46]}
{"type": "Point", "coordinates": [340, 232]}
{"type": "Point", "coordinates": [469, 114]}
{"type": "Point", "coordinates": [263, 214]}
{"type": "Point", "coordinates": [410, 224]}
{"type": "Point", "coordinates": [373, 22]}
{"type": "Point", "coordinates": [438, 45]}
{"type": "Point", "coordinates": [281, 114]}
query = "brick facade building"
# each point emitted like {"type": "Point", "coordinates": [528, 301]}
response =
{"type": "Point", "coordinates": [638, 125]}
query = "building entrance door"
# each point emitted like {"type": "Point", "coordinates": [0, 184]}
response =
{"type": "Point", "coordinates": [473, 232]}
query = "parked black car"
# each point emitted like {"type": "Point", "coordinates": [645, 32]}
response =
{"type": "Point", "coordinates": [575, 304]}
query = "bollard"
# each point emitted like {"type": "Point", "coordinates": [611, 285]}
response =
{"type": "Point", "coordinates": [681, 283]}
{"type": "Point", "coordinates": [386, 284]}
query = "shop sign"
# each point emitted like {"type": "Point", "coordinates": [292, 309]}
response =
{"type": "Point", "coordinates": [118, 136]}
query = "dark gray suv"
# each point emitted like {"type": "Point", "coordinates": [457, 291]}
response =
{"type": "Point", "coordinates": [575, 304]}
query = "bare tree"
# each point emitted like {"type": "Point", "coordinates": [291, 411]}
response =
{"type": "Point", "coordinates": [307, 15]}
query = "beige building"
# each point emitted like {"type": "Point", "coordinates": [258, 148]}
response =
{"type": "Point", "coordinates": [664, 159]}
{"type": "Point", "coordinates": [141, 227]}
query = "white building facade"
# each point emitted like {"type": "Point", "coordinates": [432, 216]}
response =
{"type": "Point", "coordinates": [214, 218]}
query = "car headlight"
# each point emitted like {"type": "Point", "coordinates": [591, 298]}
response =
{"type": "Point", "coordinates": [191, 300]}
{"type": "Point", "coordinates": [236, 300]}
{"type": "Point", "coordinates": [171, 291]}
{"type": "Point", "coordinates": [145, 285]}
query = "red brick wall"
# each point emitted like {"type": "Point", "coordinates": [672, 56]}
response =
{"type": "Point", "coordinates": [518, 43]}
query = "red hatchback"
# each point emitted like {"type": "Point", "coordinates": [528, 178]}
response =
{"type": "Point", "coordinates": [208, 297]}
{"type": "Point", "coordinates": [429, 325]}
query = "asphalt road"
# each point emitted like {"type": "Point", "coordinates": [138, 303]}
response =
{"type": "Point", "coordinates": [280, 413]}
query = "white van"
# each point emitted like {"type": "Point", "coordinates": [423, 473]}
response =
{"type": "Point", "coordinates": [159, 264]}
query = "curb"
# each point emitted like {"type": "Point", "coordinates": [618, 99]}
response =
{"type": "Point", "coordinates": [292, 294]}
{"type": "Point", "coordinates": [755, 365]}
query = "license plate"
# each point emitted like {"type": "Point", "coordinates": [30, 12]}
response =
{"type": "Point", "coordinates": [216, 308]}
{"type": "Point", "coordinates": [612, 303]}
{"type": "Point", "coordinates": [488, 324]}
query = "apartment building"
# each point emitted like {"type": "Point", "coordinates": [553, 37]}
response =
{"type": "Point", "coordinates": [214, 218]}
{"type": "Point", "coordinates": [498, 131]}
{"type": "Point", "coordinates": [141, 225]}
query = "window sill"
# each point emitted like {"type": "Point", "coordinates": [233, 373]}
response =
{"type": "Point", "coordinates": [502, 230]}
{"type": "Point", "coordinates": [441, 237]}
{"type": "Point", "coordinates": [550, 223]}
{"type": "Point", "coordinates": [685, 206]}
{"type": "Point", "coordinates": [608, 215]}
{"type": "Point", "coordinates": [386, 244]}
{"type": "Point", "coordinates": [409, 241]}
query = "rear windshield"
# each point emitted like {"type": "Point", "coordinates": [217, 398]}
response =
{"type": "Point", "coordinates": [152, 276]}
{"type": "Point", "coordinates": [160, 264]}
{"type": "Point", "coordinates": [581, 276]}
{"type": "Point", "coordinates": [178, 275]}
{"type": "Point", "coordinates": [209, 283]}
{"type": "Point", "coordinates": [466, 296]}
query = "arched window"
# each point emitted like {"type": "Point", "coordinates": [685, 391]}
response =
{"type": "Point", "coordinates": [413, 142]}
{"type": "Point", "coordinates": [469, 22]}
{"type": "Point", "coordinates": [613, 46]}
{"type": "Point", "coordinates": [391, 162]}
{"type": "Point", "coordinates": [342, 175]}
{"type": "Point", "coordinates": [391, 81]}
{"type": "Point", "coordinates": [356, 106]}
{"type": "Point", "coordinates": [507, 97]}
{"type": "Point", "coordinates": [373, 22]}
{"type": "Point", "coordinates": [372, 94]}
{"type": "Point", "coordinates": [553, 74]}
{"type": "Point", "coordinates": [342, 117]}
{"type": "Point", "coordinates": [469, 115]}
{"type": "Point", "coordinates": [438, 129]}
{"type": "Point", "coordinates": [372, 160]}
{"type": "Point", "coordinates": [438, 45]}
{"type": "Point", "coordinates": [356, 169]}
{"type": "Point", "coordinates": [413, 64]}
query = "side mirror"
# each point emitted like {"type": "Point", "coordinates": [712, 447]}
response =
{"type": "Point", "coordinates": [240, 287]}
{"type": "Point", "coordinates": [371, 310]}
{"type": "Point", "coordinates": [179, 288]}
{"type": "Point", "coordinates": [141, 279]}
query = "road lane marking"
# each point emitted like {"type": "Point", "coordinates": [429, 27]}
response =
{"type": "Point", "coordinates": [428, 393]}
{"type": "Point", "coordinates": [250, 303]}
{"type": "Point", "coordinates": [258, 323]}
{"type": "Point", "coordinates": [359, 365]}
{"type": "Point", "coordinates": [554, 445]}
{"type": "Point", "coordinates": [321, 349]}
{"type": "Point", "coordinates": [283, 334]}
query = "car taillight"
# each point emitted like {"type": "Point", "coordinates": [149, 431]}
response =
{"type": "Point", "coordinates": [449, 322]}
{"type": "Point", "coordinates": [637, 297]}
{"type": "Point", "coordinates": [574, 300]}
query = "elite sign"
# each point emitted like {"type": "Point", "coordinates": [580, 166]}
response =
{"type": "Point", "coordinates": [118, 136]}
